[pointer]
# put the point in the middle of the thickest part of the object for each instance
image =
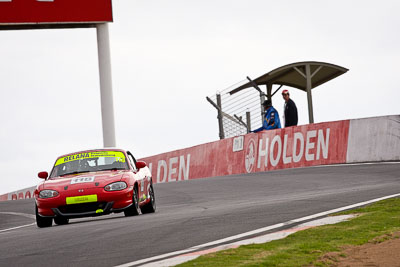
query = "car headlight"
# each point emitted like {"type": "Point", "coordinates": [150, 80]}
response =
{"type": "Point", "coordinates": [48, 194]}
{"type": "Point", "coordinates": [116, 186]}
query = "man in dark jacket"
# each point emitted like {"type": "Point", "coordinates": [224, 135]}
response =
{"type": "Point", "coordinates": [290, 110]}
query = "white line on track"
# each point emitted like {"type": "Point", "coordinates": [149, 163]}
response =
{"type": "Point", "coordinates": [22, 226]}
{"type": "Point", "coordinates": [30, 216]}
{"type": "Point", "coordinates": [257, 231]}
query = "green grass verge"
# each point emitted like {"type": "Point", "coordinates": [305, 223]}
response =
{"type": "Point", "coordinates": [305, 247]}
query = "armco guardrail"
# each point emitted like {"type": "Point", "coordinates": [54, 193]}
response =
{"type": "Point", "coordinates": [348, 141]}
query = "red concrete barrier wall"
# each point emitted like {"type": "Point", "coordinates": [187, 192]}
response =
{"type": "Point", "coordinates": [374, 139]}
{"type": "Point", "coordinates": [302, 146]}
{"type": "Point", "coordinates": [20, 194]}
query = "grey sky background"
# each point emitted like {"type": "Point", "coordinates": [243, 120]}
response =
{"type": "Point", "coordinates": [167, 56]}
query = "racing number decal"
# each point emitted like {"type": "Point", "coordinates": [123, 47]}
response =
{"type": "Point", "coordinates": [82, 180]}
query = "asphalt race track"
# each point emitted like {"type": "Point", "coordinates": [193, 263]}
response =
{"type": "Point", "coordinates": [191, 213]}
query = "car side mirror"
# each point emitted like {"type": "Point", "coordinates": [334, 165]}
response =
{"type": "Point", "coordinates": [140, 164]}
{"type": "Point", "coordinates": [43, 175]}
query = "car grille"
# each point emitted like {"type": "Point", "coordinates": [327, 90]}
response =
{"type": "Point", "coordinates": [84, 207]}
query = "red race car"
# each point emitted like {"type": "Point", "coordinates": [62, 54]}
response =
{"type": "Point", "coordinates": [94, 183]}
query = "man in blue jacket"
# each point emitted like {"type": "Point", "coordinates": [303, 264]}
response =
{"type": "Point", "coordinates": [271, 120]}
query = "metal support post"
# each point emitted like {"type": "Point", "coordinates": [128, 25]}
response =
{"type": "Point", "coordinates": [220, 118]}
{"type": "Point", "coordinates": [248, 121]}
{"type": "Point", "coordinates": [309, 96]}
{"type": "Point", "coordinates": [262, 99]}
{"type": "Point", "coordinates": [106, 94]}
{"type": "Point", "coordinates": [269, 91]}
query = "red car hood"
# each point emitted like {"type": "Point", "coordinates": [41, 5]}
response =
{"type": "Point", "coordinates": [73, 181]}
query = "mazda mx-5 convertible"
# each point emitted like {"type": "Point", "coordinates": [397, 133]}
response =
{"type": "Point", "coordinates": [94, 183]}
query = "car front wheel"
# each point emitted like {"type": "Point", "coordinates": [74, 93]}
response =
{"type": "Point", "coordinates": [42, 221]}
{"type": "Point", "coordinates": [151, 206]}
{"type": "Point", "coordinates": [134, 209]}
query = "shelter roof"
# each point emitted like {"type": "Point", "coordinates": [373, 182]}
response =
{"type": "Point", "coordinates": [294, 75]}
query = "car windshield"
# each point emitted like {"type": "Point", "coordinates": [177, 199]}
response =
{"type": "Point", "coordinates": [89, 162]}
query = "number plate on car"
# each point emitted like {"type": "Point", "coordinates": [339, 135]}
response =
{"type": "Point", "coordinates": [81, 199]}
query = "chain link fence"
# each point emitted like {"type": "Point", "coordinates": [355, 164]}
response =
{"type": "Point", "coordinates": [238, 113]}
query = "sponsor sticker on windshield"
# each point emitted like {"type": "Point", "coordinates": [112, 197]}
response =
{"type": "Point", "coordinates": [80, 180]}
{"type": "Point", "coordinates": [119, 156]}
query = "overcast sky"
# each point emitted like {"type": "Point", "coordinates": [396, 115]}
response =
{"type": "Point", "coordinates": [167, 56]}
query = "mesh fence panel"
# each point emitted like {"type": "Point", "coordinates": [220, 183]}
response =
{"type": "Point", "coordinates": [247, 100]}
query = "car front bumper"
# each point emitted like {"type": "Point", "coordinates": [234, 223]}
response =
{"type": "Point", "coordinates": [106, 202]}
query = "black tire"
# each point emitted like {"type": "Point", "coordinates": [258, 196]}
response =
{"type": "Point", "coordinates": [151, 206]}
{"type": "Point", "coordinates": [61, 220]}
{"type": "Point", "coordinates": [134, 209]}
{"type": "Point", "coordinates": [42, 221]}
